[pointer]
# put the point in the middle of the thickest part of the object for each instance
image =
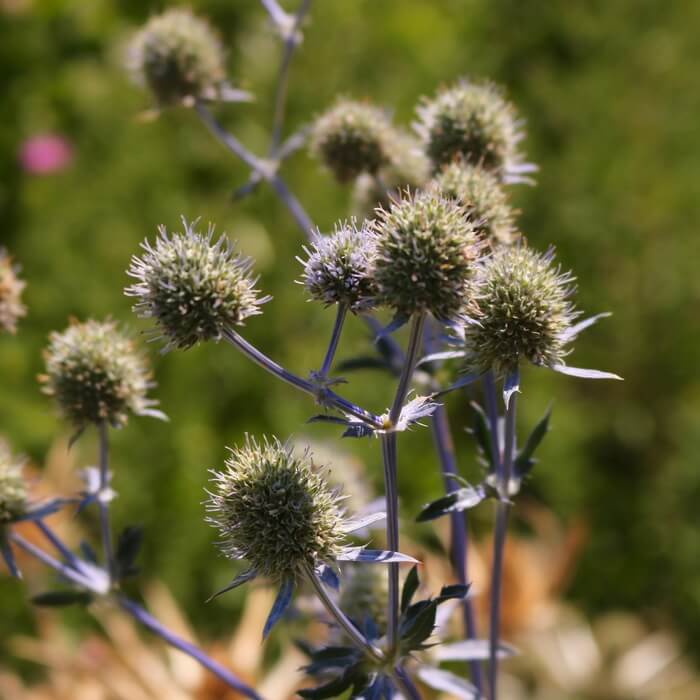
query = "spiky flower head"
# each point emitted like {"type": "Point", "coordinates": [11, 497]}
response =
{"type": "Point", "coordinates": [13, 492]}
{"type": "Point", "coordinates": [426, 253]}
{"type": "Point", "coordinates": [178, 57]}
{"type": "Point", "coordinates": [194, 288]}
{"type": "Point", "coordinates": [472, 121]}
{"type": "Point", "coordinates": [352, 138]}
{"type": "Point", "coordinates": [338, 267]}
{"type": "Point", "coordinates": [11, 307]}
{"type": "Point", "coordinates": [274, 508]}
{"type": "Point", "coordinates": [483, 198]}
{"type": "Point", "coordinates": [96, 375]}
{"type": "Point", "coordinates": [364, 593]}
{"type": "Point", "coordinates": [521, 311]}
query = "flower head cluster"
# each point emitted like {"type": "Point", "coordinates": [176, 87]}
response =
{"type": "Point", "coordinates": [337, 269]}
{"type": "Point", "coordinates": [273, 508]}
{"type": "Point", "coordinates": [426, 253]}
{"type": "Point", "coordinates": [13, 492]}
{"type": "Point", "coordinates": [522, 311]}
{"type": "Point", "coordinates": [192, 287]}
{"type": "Point", "coordinates": [482, 197]}
{"type": "Point", "coordinates": [96, 375]}
{"type": "Point", "coordinates": [179, 57]}
{"type": "Point", "coordinates": [11, 307]}
{"type": "Point", "coordinates": [352, 138]}
{"type": "Point", "coordinates": [472, 121]}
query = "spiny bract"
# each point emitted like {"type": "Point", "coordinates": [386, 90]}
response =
{"type": "Point", "coordinates": [352, 138]}
{"type": "Point", "coordinates": [11, 307]}
{"type": "Point", "coordinates": [96, 375]}
{"type": "Point", "coordinates": [337, 269]}
{"type": "Point", "coordinates": [482, 197]}
{"type": "Point", "coordinates": [179, 57]}
{"type": "Point", "coordinates": [521, 310]}
{"type": "Point", "coordinates": [13, 492]}
{"type": "Point", "coordinates": [426, 253]}
{"type": "Point", "coordinates": [193, 288]}
{"type": "Point", "coordinates": [273, 508]}
{"type": "Point", "coordinates": [472, 121]}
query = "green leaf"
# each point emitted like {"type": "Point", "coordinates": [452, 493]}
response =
{"type": "Point", "coordinates": [455, 501]}
{"type": "Point", "coordinates": [524, 459]}
{"type": "Point", "coordinates": [410, 587]}
{"type": "Point", "coordinates": [56, 599]}
{"type": "Point", "coordinates": [128, 546]}
{"type": "Point", "coordinates": [481, 431]}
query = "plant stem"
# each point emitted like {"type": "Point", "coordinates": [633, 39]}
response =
{"type": "Point", "coordinates": [323, 395]}
{"type": "Point", "coordinates": [103, 502]}
{"type": "Point", "coordinates": [277, 14]}
{"type": "Point", "coordinates": [490, 401]}
{"type": "Point", "coordinates": [499, 539]}
{"type": "Point", "coordinates": [71, 559]}
{"type": "Point", "coordinates": [335, 339]}
{"type": "Point", "coordinates": [403, 681]}
{"type": "Point", "coordinates": [150, 623]}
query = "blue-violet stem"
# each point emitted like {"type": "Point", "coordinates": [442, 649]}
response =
{"type": "Point", "coordinates": [103, 498]}
{"type": "Point", "coordinates": [335, 339]}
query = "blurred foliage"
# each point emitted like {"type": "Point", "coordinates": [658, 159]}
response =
{"type": "Point", "coordinates": [610, 97]}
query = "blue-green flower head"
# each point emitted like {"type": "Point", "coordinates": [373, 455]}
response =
{"type": "Point", "coordinates": [193, 287]}
{"type": "Point", "coordinates": [13, 491]}
{"type": "Point", "coordinates": [427, 248]}
{"type": "Point", "coordinates": [273, 508]}
{"type": "Point", "coordinates": [522, 311]}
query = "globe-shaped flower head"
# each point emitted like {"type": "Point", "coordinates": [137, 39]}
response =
{"type": "Point", "coordinates": [192, 287]}
{"type": "Point", "coordinates": [11, 307]}
{"type": "Point", "coordinates": [352, 138]}
{"type": "Point", "coordinates": [474, 122]}
{"type": "Point", "coordinates": [13, 492]}
{"type": "Point", "coordinates": [96, 376]}
{"type": "Point", "coordinates": [482, 197]}
{"type": "Point", "coordinates": [426, 253]}
{"type": "Point", "coordinates": [273, 508]}
{"type": "Point", "coordinates": [179, 57]}
{"type": "Point", "coordinates": [337, 269]}
{"type": "Point", "coordinates": [522, 311]}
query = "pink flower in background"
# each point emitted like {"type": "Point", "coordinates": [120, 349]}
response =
{"type": "Point", "coordinates": [44, 154]}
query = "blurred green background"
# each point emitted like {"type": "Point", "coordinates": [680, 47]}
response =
{"type": "Point", "coordinates": [610, 94]}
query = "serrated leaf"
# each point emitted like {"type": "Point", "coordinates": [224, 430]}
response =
{"type": "Point", "coordinates": [239, 580]}
{"type": "Point", "coordinates": [417, 624]}
{"type": "Point", "coordinates": [572, 332]}
{"type": "Point", "coordinates": [453, 502]}
{"type": "Point", "coordinates": [282, 601]}
{"type": "Point", "coordinates": [332, 689]}
{"type": "Point", "coordinates": [128, 546]}
{"type": "Point", "coordinates": [364, 362]}
{"type": "Point", "coordinates": [447, 682]}
{"type": "Point", "coordinates": [524, 459]}
{"type": "Point", "coordinates": [57, 599]}
{"type": "Point", "coordinates": [375, 556]}
{"type": "Point", "coordinates": [410, 587]}
{"type": "Point", "coordinates": [584, 373]}
{"type": "Point", "coordinates": [481, 430]}
{"type": "Point", "coordinates": [471, 650]}
{"type": "Point", "coordinates": [358, 430]}
{"type": "Point", "coordinates": [464, 380]}
{"type": "Point", "coordinates": [332, 658]}
{"type": "Point", "coordinates": [358, 523]}
{"type": "Point", "coordinates": [454, 591]}
{"type": "Point", "coordinates": [324, 418]}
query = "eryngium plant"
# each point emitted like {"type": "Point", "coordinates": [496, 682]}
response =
{"type": "Point", "coordinates": [483, 198]}
{"type": "Point", "coordinates": [472, 121]}
{"type": "Point", "coordinates": [274, 508]}
{"type": "Point", "coordinates": [337, 267]}
{"type": "Point", "coordinates": [13, 492]}
{"type": "Point", "coordinates": [352, 138]}
{"type": "Point", "coordinates": [179, 57]}
{"type": "Point", "coordinates": [427, 249]}
{"type": "Point", "coordinates": [521, 311]}
{"type": "Point", "coordinates": [11, 307]}
{"type": "Point", "coordinates": [194, 288]}
{"type": "Point", "coordinates": [96, 375]}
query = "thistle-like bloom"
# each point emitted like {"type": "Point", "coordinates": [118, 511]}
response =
{"type": "Point", "coordinates": [273, 508]}
{"type": "Point", "coordinates": [11, 307]}
{"type": "Point", "coordinates": [178, 57]}
{"type": "Point", "coordinates": [96, 375]}
{"type": "Point", "coordinates": [475, 122]}
{"type": "Point", "coordinates": [483, 198]}
{"type": "Point", "coordinates": [13, 492]}
{"type": "Point", "coordinates": [352, 138]}
{"type": "Point", "coordinates": [426, 253]}
{"type": "Point", "coordinates": [192, 287]}
{"type": "Point", "coordinates": [337, 269]}
{"type": "Point", "coordinates": [522, 311]}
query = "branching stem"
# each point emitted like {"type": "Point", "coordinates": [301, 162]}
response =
{"type": "Point", "coordinates": [335, 339]}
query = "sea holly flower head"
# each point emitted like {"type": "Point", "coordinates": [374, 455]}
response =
{"type": "Point", "coordinates": [352, 138]}
{"type": "Point", "coordinates": [472, 121]}
{"type": "Point", "coordinates": [336, 270]}
{"type": "Point", "coordinates": [96, 376]}
{"type": "Point", "coordinates": [13, 491]}
{"type": "Point", "coordinates": [178, 57]}
{"type": "Point", "coordinates": [426, 253]}
{"type": "Point", "coordinates": [483, 198]}
{"type": "Point", "coordinates": [11, 307]}
{"type": "Point", "coordinates": [194, 288]}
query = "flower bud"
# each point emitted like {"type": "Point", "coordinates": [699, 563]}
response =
{"type": "Point", "coordinates": [178, 57]}
{"type": "Point", "coordinates": [472, 121]}
{"type": "Point", "coordinates": [274, 509]}
{"type": "Point", "coordinates": [95, 375]}
{"type": "Point", "coordinates": [13, 492]}
{"type": "Point", "coordinates": [11, 307]}
{"type": "Point", "coordinates": [521, 311]}
{"type": "Point", "coordinates": [426, 252]}
{"type": "Point", "coordinates": [352, 138]}
{"type": "Point", "coordinates": [193, 288]}
{"type": "Point", "coordinates": [482, 197]}
{"type": "Point", "coordinates": [337, 270]}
